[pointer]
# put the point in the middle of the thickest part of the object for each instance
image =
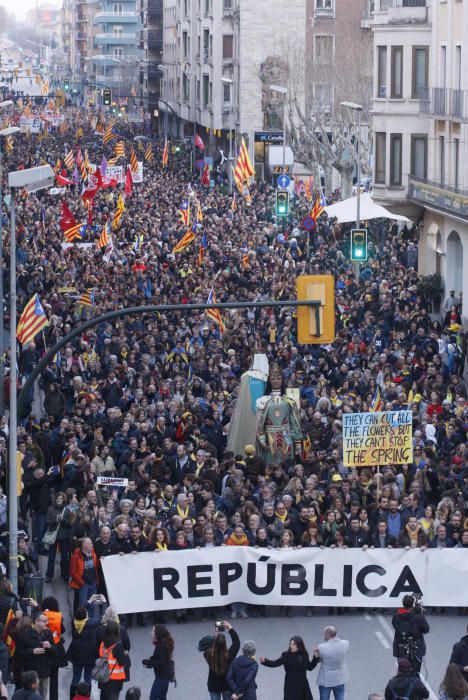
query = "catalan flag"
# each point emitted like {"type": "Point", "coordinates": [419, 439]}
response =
{"type": "Point", "coordinates": [99, 128]}
{"type": "Point", "coordinates": [108, 134]}
{"type": "Point", "coordinates": [186, 240]}
{"type": "Point", "coordinates": [31, 321]}
{"type": "Point", "coordinates": [45, 88]}
{"type": "Point", "coordinates": [74, 233]}
{"type": "Point", "coordinates": [119, 149]}
{"type": "Point", "coordinates": [9, 641]}
{"type": "Point", "coordinates": [118, 212]}
{"type": "Point", "coordinates": [9, 144]}
{"type": "Point", "coordinates": [87, 298]}
{"type": "Point", "coordinates": [149, 155]}
{"type": "Point", "coordinates": [103, 240]}
{"type": "Point", "coordinates": [199, 213]}
{"type": "Point", "coordinates": [234, 202]}
{"type": "Point", "coordinates": [184, 213]}
{"type": "Point", "coordinates": [86, 160]}
{"type": "Point", "coordinates": [63, 127]}
{"type": "Point", "coordinates": [214, 313]}
{"type": "Point", "coordinates": [190, 378]}
{"type": "Point", "coordinates": [376, 404]}
{"type": "Point", "coordinates": [133, 161]}
{"type": "Point", "coordinates": [69, 160]}
{"type": "Point", "coordinates": [201, 250]}
{"type": "Point", "coordinates": [317, 209]}
{"type": "Point", "coordinates": [245, 260]}
{"type": "Point", "coordinates": [83, 171]}
{"type": "Point", "coordinates": [165, 154]}
{"type": "Point", "coordinates": [243, 170]}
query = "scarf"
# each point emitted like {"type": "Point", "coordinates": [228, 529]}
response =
{"type": "Point", "coordinates": [182, 513]}
{"type": "Point", "coordinates": [161, 547]}
{"type": "Point", "coordinates": [281, 517]}
{"type": "Point", "coordinates": [79, 625]}
{"type": "Point", "coordinates": [233, 540]}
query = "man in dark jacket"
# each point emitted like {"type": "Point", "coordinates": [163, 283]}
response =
{"type": "Point", "coordinates": [460, 655]}
{"type": "Point", "coordinates": [36, 650]}
{"type": "Point", "coordinates": [355, 536]}
{"type": "Point", "coordinates": [241, 676]}
{"type": "Point", "coordinates": [410, 626]}
{"type": "Point", "coordinates": [406, 684]}
{"type": "Point", "coordinates": [381, 538]}
{"type": "Point", "coordinates": [30, 683]}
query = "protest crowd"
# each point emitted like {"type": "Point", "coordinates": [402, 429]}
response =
{"type": "Point", "coordinates": [148, 398]}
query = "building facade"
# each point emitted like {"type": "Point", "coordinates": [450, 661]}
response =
{"type": "Point", "coordinates": [151, 48]}
{"type": "Point", "coordinates": [420, 120]}
{"type": "Point", "coordinates": [219, 58]}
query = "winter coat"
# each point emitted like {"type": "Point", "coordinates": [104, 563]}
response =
{"type": "Point", "coordinates": [28, 640]}
{"type": "Point", "coordinates": [4, 656]}
{"type": "Point", "coordinates": [296, 685]}
{"type": "Point", "coordinates": [23, 694]}
{"type": "Point", "coordinates": [83, 648]}
{"type": "Point", "coordinates": [409, 623]}
{"type": "Point", "coordinates": [160, 662]}
{"type": "Point", "coordinates": [241, 677]}
{"type": "Point", "coordinates": [460, 655]}
{"type": "Point", "coordinates": [219, 684]}
{"type": "Point", "coordinates": [404, 683]}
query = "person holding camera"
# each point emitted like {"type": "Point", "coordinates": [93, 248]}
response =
{"type": "Point", "coordinates": [219, 659]}
{"type": "Point", "coordinates": [406, 684]}
{"type": "Point", "coordinates": [410, 626]}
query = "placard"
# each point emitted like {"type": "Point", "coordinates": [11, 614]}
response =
{"type": "Point", "coordinates": [377, 438]}
{"type": "Point", "coordinates": [114, 481]}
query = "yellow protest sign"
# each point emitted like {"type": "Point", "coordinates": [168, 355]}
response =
{"type": "Point", "coordinates": [374, 439]}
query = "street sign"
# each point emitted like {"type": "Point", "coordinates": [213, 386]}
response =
{"type": "Point", "coordinates": [308, 223]}
{"type": "Point", "coordinates": [280, 169]}
{"type": "Point", "coordinates": [283, 182]}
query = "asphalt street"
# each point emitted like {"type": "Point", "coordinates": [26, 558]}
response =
{"type": "Point", "coordinates": [370, 659]}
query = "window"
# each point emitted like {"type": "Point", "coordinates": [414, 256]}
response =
{"type": "Point", "coordinates": [206, 90]}
{"type": "Point", "coordinates": [458, 61]}
{"type": "Point", "coordinates": [117, 31]}
{"type": "Point", "coordinates": [420, 71]}
{"type": "Point", "coordinates": [395, 159]}
{"type": "Point", "coordinates": [443, 67]}
{"type": "Point", "coordinates": [397, 72]}
{"type": "Point", "coordinates": [442, 159]}
{"type": "Point", "coordinates": [186, 87]}
{"type": "Point", "coordinates": [419, 156]}
{"type": "Point", "coordinates": [206, 45]}
{"type": "Point", "coordinates": [117, 53]}
{"type": "Point", "coordinates": [323, 93]}
{"type": "Point", "coordinates": [186, 7]}
{"type": "Point", "coordinates": [228, 5]}
{"type": "Point", "coordinates": [381, 71]}
{"type": "Point", "coordinates": [185, 44]}
{"type": "Point", "coordinates": [324, 7]}
{"type": "Point", "coordinates": [227, 93]}
{"type": "Point", "coordinates": [118, 8]}
{"type": "Point", "coordinates": [207, 7]}
{"type": "Point", "coordinates": [324, 49]}
{"type": "Point", "coordinates": [456, 163]}
{"type": "Point", "coordinates": [228, 46]}
{"type": "Point", "coordinates": [380, 156]}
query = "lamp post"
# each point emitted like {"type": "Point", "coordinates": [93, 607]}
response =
{"type": "Point", "coordinates": [283, 91]}
{"type": "Point", "coordinates": [32, 179]}
{"type": "Point", "coordinates": [357, 108]}
{"type": "Point", "coordinates": [4, 133]}
{"type": "Point", "coordinates": [164, 70]}
{"type": "Point", "coordinates": [228, 81]}
{"type": "Point", "coordinates": [192, 74]}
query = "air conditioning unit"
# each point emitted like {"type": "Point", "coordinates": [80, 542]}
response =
{"type": "Point", "coordinates": [382, 91]}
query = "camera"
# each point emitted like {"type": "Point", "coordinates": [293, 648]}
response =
{"type": "Point", "coordinates": [219, 626]}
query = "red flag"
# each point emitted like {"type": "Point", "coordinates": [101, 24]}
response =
{"type": "Point", "coordinates": [128, 182]}
{"type": "Point", "coordinates": [94, 185]}
{"type": "Point", "coordinates": [67, 220]}
{"type": "Point", "coordinates": [62, 181]}
{"type": "Point", "coordinates": [206, 176]}
{"type": "Point", "coordinates": [199, 142]}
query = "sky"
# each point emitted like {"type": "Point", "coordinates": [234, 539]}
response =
{"type": "Point", "coordinates": [20, 7]}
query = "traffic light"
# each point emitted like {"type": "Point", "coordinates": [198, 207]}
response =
{"type": "Point", "coordinates": [358, 244]}
{"type": "Point", "coordinates": [316, 323]}
{"type": "Point", "coordinates": [107, 97]}
{"type": "Point", "coordinates": [66, 86]}
{"type": "Point", "coordinates": [282, 203]}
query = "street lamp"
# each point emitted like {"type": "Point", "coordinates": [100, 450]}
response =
{"type": "Point", "coordinates": [357, 108]}
{"type": "Point", "coordinates": [228, 81]}
{"type": "Point", "coordinates": [192, 74]}
{"type": "Point", "coordinates": [164, 69]}
{"type": "Point", "coordinates": [32, 180]}
{"type": "Point", "coordinates": [283, 91]}
{"type": "Point", "coordinates": [4, 133]}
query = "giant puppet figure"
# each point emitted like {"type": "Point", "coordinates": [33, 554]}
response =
{"type": "Point", "coordinates": [279, 435]}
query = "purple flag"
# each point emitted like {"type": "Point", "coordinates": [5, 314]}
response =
{"type": "Point", "coordinates": [103, 166]}
{"type": "Point", "coordinates": [75, 176]}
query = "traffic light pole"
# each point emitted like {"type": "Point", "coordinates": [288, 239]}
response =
{"type": "Point", "coordinates": [358, 190]}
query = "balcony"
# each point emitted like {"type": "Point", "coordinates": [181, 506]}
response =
{"type": "Point", "coordinates": [116, 17]}
{"type": "Point", "coordinates": [442, 198]}
{"type": "Point", "coordinates": [444, 103]}
{"type": "Point", "coordinates": [402, 11]}
{"type": "Point", "coordinates": [115, 39]}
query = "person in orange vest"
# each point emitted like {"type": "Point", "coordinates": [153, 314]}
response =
{"type": "Point", "coordinates": [118, 659]}
{"type": "Point", "coordinates": [50, 609]}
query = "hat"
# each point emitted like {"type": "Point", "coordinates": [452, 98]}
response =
{"type": "Point", "coordinates": [249, 450]}
{"type": "Point", "coordinates": [336, 477]}
{"type": "Point", "coordinates": [404, 666]}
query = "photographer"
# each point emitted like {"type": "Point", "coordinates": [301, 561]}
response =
{"type": "Point", "coordinates": [410, 626]}
{"type": "Point", "coordinates": [219, 659]}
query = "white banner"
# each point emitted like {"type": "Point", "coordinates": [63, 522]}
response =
{"type": "Point", "coordinates": [138, 176]}
{"type": "Point", "coordinates": [116, 481]}
{"type": "Point", "coordinates": [116, 172]}
{"type": "Point", "coordinates": [31, 124]}
{"type": "Point", "coordinates": [376, 578]}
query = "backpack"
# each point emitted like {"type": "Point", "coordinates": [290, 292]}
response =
{"type": "Point", "coordinates": [398, 696]}
{"type": "Point", "coordinates": [101, 671]}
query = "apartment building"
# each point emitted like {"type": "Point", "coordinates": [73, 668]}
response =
{"type": "Point", "coordinates": [420, 120]}
{"type": "Point", "coordinates": [151, 48]}
{"type": "Point", "coordinates": [220, 56]}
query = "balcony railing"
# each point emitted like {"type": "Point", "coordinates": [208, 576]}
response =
{"type": "Point", "coordinates": [444, 103]}
{"type": "Point", "coordinates": [433, 194]}
{"type": "Point", "coordinates": [387, 4]}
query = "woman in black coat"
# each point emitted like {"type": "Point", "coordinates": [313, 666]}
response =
{"type": "Point", "coordinates": [83, 648]}
{"type": "Point", "coordinates": [219, 659]}
{"type": "Point", "coordinates": [296, 663]}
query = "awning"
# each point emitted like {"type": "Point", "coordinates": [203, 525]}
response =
{"type": "Point", "coordinates": [345, 211]}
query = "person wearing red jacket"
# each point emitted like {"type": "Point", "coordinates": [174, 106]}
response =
{"type": "Point", "coordinates": [84, 576]}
